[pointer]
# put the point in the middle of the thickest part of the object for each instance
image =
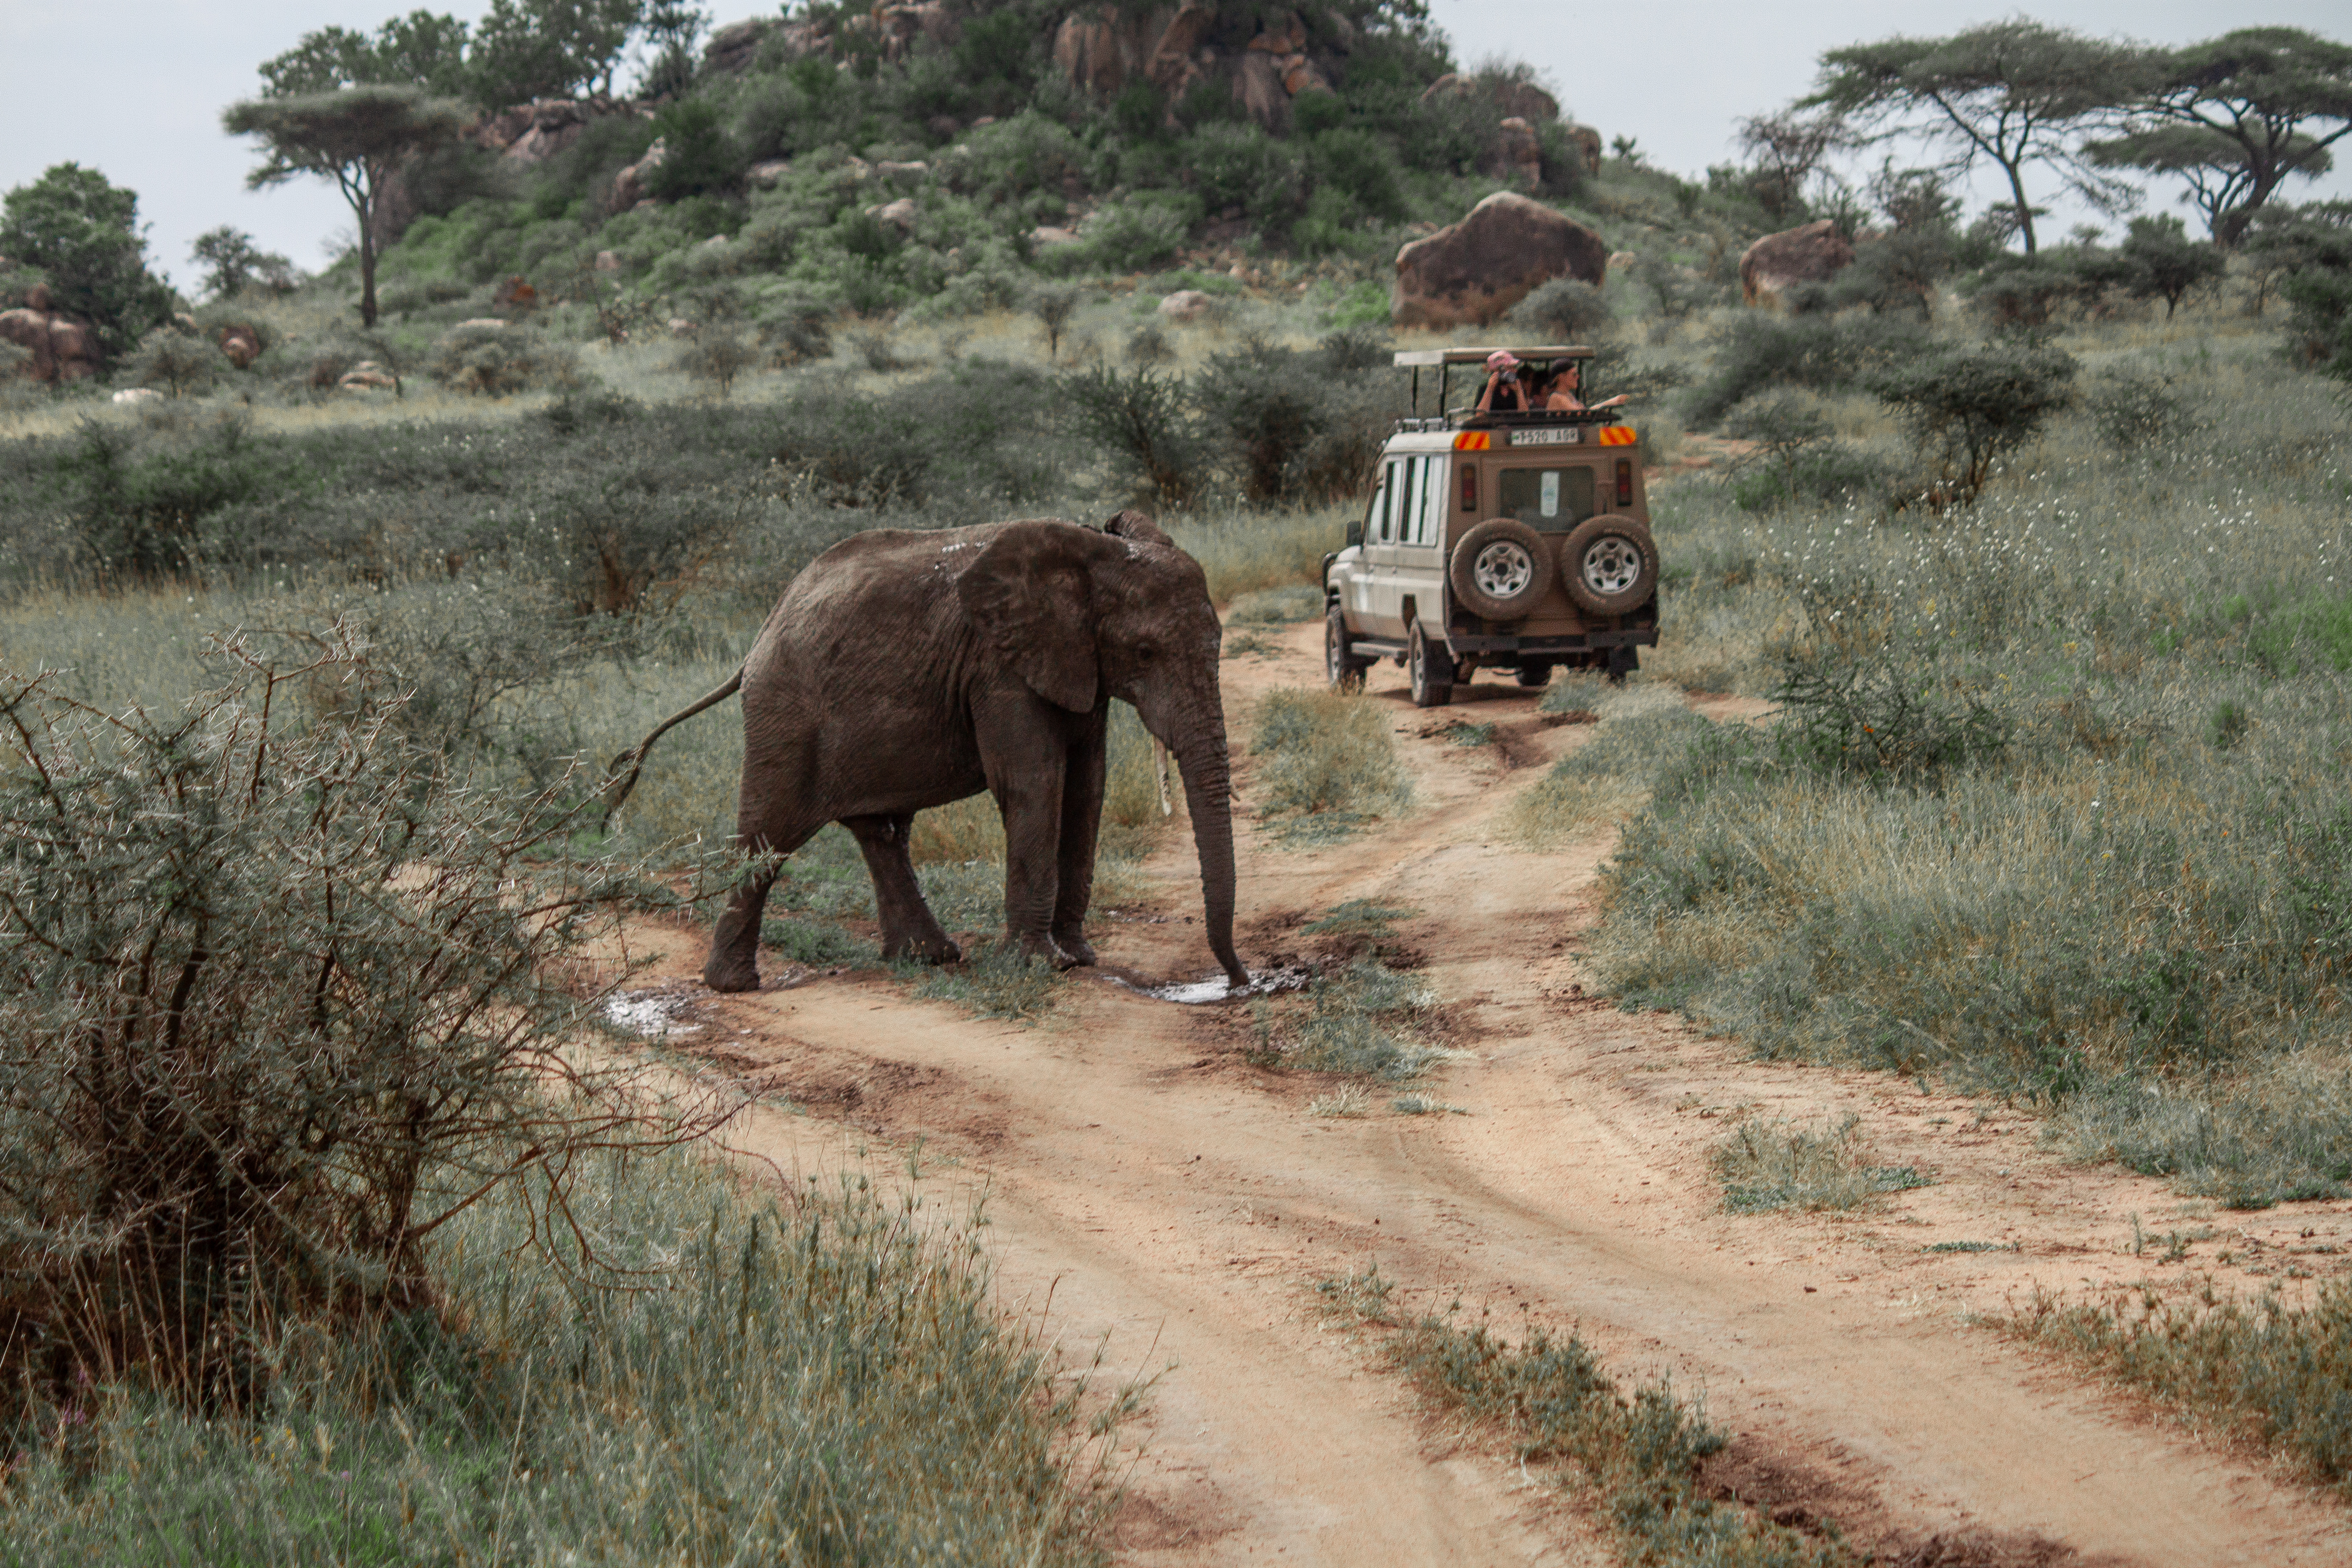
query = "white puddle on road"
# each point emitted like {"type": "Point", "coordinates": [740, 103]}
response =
{"type": "Point", "coordinates": [653, 1014]}
{"type": "Point", "coordinates": [1216, 989]}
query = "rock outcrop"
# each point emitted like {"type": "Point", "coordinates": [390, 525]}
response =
{"type": "Point", "coordinates": [1473, 271]}
{"type": "Point", "coordinates": [1522, 100]}
{"type": "Point", "coordinates": [1813, 253]}
{"type": "Point", "coordinates": [533, 132]}
{"type": "Point", "coordinates": [629, 185]}
{"type": "Point", "coordinates": [1264, 61]}
{"type": "Point", "coordinates": [63, 347]}
{"type": "Point", "coordinates": [732, 46]}
{"type": "Point", "coordinates": [1517, 155]}
{"type": "Point", "coordinates": [1187, 305]}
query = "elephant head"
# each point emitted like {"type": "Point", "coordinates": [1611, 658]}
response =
{"type": "Point", "coordinates": [1078, 614]}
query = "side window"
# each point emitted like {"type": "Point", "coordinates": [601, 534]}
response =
{"type": "Point", "coordinates": [1408, 496]}
{"type": "Point", "coordinates": [1427, 521]}
{"type": "Point", "coordinates": [1373, 513]}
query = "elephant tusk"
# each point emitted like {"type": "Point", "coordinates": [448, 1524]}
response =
{"type": "Point", "coordinates": [1159, 772]}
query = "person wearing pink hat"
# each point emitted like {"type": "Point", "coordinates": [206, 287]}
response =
{"type": "Point", "coordinates": [1504, 392]}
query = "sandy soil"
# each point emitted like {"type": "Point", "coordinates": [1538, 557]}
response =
{"type": "Point", "coordinates": [1153, 1200]}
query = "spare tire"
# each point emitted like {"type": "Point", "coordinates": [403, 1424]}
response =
{"type": "Point", "coordinates": [1497, 570]}
{"type": "Point", "coordinates": [1609, 565]}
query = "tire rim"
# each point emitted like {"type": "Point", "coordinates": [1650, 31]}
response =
{"type": "Point", "coordinates": [1611, 565]}
{"type": "Point", "coordinates": [1503, 570]}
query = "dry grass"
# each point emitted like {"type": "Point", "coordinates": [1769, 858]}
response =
{"type": "Point", "coordinates": [1326, 764]}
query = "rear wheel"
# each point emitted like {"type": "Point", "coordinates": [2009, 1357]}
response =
{"type": "Point", "coordinates": [1499, 569]}
{"type": "Point", "coordinates": [1609, 565]}
{"type": "Point", "coordinates": [1431, 671]}
{"type": "Point", "coordinates": [1344, 669]}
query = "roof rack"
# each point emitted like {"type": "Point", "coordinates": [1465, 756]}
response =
{"type": "Point", "coordinates": [1416, 358]}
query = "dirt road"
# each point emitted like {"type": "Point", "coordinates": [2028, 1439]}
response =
{"type": "Point", "coordinates": [1151, 1193]}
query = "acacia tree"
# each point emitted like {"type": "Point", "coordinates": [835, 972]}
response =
{"type": "Point", "coordinates": [2016, 92]}
{"type": "Point", "coordinates": [356, 137]}
{"type": "Point", "coordinates": [2236, 117]}
{"type": "Point", "coordinates": [421, 49]}
{"type": "Point", "coordinates": [1787, 148]}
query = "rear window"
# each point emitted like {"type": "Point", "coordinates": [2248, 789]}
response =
{"type": "Point", "coordinates": [1550, 501]}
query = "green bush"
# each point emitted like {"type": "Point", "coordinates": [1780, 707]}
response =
{"type": "Point", "coordinates": [1563, 311]}
{"type": "Point", "coordinates": [1762, 351]}
{"type": "Point", "coordinates": [1240, 166]}
{"type": "Point", "coordinates": [498, 362]}
{"type": "Point", "coordinates": [1967, 409]}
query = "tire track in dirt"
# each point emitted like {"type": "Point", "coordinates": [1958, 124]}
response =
{"type": "Point", "coordinates": [1171, 1203]}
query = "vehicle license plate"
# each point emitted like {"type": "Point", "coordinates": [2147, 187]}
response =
{"type": "Point", "coordinates": [1567, 437]}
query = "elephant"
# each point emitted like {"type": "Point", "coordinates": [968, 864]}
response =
{"type": "Point", "coordinates": [904, 669]}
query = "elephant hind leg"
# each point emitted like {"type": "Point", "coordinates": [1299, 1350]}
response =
{"type": "Point", "coordinates": [734, 961]}
{"type": "Point", "coordinates": [909, 930]}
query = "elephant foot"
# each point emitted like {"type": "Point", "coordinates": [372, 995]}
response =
{"type": "Point", "coordinates": [728, 973]}
{"type": "Point", "coordinates": [940, 949]}
{"type": "Point", "coordinates": [1052, 951]}
{"type": "Point", "coordinates": [1081, 951]}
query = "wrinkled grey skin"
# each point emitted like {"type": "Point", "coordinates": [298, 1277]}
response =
{"type": "Point", "coordinates": [903, 670]}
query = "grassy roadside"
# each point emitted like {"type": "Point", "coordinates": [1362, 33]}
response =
{"type": "Point", "coordinates": [2262, 1371]}
{"type": "Point", "coordinates": [730, 1377]}
{"type": "Point", "coordinates": [1634, 1456]}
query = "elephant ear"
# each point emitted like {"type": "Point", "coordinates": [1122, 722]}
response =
{"type": "Point", "coordinates": [1132, 524]}
{"type": "Point", "coordinates": [1031, 595]}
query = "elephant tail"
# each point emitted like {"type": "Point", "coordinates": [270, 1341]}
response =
{"type": "Point", "coordinates": [616, 787]}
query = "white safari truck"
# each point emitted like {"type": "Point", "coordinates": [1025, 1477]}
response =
{"type": "Point", "coordinates": [1501, 541]}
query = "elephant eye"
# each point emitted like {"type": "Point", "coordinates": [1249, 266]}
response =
{"type": "Point", "coordinates": [1145, 653]}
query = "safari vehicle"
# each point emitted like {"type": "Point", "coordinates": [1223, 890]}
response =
{"type": "Point", "coordinates": [1496, 541]}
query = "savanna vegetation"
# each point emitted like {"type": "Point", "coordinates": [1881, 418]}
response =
{"type": "Point", "coordinates": [2035, 542]}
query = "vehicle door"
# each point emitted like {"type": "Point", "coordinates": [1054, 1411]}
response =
{"type": "Point", "coordinates": [1420, 572]}
{"type": "Point", "coordinates": [1356, 589]}
{"type": "Point", "coordinates": [1382, 618]}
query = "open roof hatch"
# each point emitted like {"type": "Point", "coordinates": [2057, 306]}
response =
{"type": "Point", "coordinates": [1444, 360]}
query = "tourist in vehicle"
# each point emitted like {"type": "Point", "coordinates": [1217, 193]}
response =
{"type": "Point", "coordinates": [1560, 394]}
{"type": "Point", "coordinates": [1505, 393]}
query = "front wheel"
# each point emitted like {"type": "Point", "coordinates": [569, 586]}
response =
{"type": "Point", "coordinates": [1534, 675]}
{"type": "Point", "coordinates": [1344, 669]}
{"type": "Point", "coordinates": [1431, 671]}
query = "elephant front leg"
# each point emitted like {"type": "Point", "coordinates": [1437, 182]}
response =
{"type": "Point", "coordinates": [1024, 773]}
{"type": "Point", "coordinates": [1082, 800]}
{"type": "Point", "coordinates": [909, 930]}
{"type": "Point", "coordinates": [734, 961]}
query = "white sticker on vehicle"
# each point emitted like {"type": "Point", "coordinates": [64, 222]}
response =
{"type": "Point", "coordinates": [1550, 499]}
{"type": "Point", "coordinates": [1568, 436]}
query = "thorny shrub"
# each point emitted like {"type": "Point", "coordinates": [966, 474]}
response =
{"type": "Point", "coordinates": [281, 998]}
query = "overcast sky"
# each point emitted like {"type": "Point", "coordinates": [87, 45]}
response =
{"type": "Point", "coordinates": [135, 87]}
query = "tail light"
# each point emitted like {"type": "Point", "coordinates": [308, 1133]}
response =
{"type": "Point", "coordinates": [1470, 489]}
{"type": "Point", "coordinates": [1624, 481]}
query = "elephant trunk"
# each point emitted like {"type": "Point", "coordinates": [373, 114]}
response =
{"type": "Point", "coordinates": [1208, 796]}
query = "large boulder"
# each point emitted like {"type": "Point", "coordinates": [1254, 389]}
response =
{"type": "Point", "coordinates": [732, 46]}
{"type": "Point", "coordinates": [1522, 100]}
{"type": "Point", "coordinates": [62, 347]}
{"type": "Point", "coordinates": [1587, 143]}
{"type": "Point", "coordinates": [1104, 47]}
{"type": "Point", "coordinates": [629, 185]}
{"type": "Point", "coordinates": [1517, 155]}
{"type": "Point", "coordinates": [1473, 271]}
{"type": "Point", "coordinates": [240, 344]}
{"type": "Point", "coordinates": [1813, 253]}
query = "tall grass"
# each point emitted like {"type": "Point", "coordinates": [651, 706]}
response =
{"type": "Point", "coordinates": [1327, 765]}
{"type": "Point", "coordinates": [2053, 806]}
{"type": "Point", "coordinates": [816, 1379]}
